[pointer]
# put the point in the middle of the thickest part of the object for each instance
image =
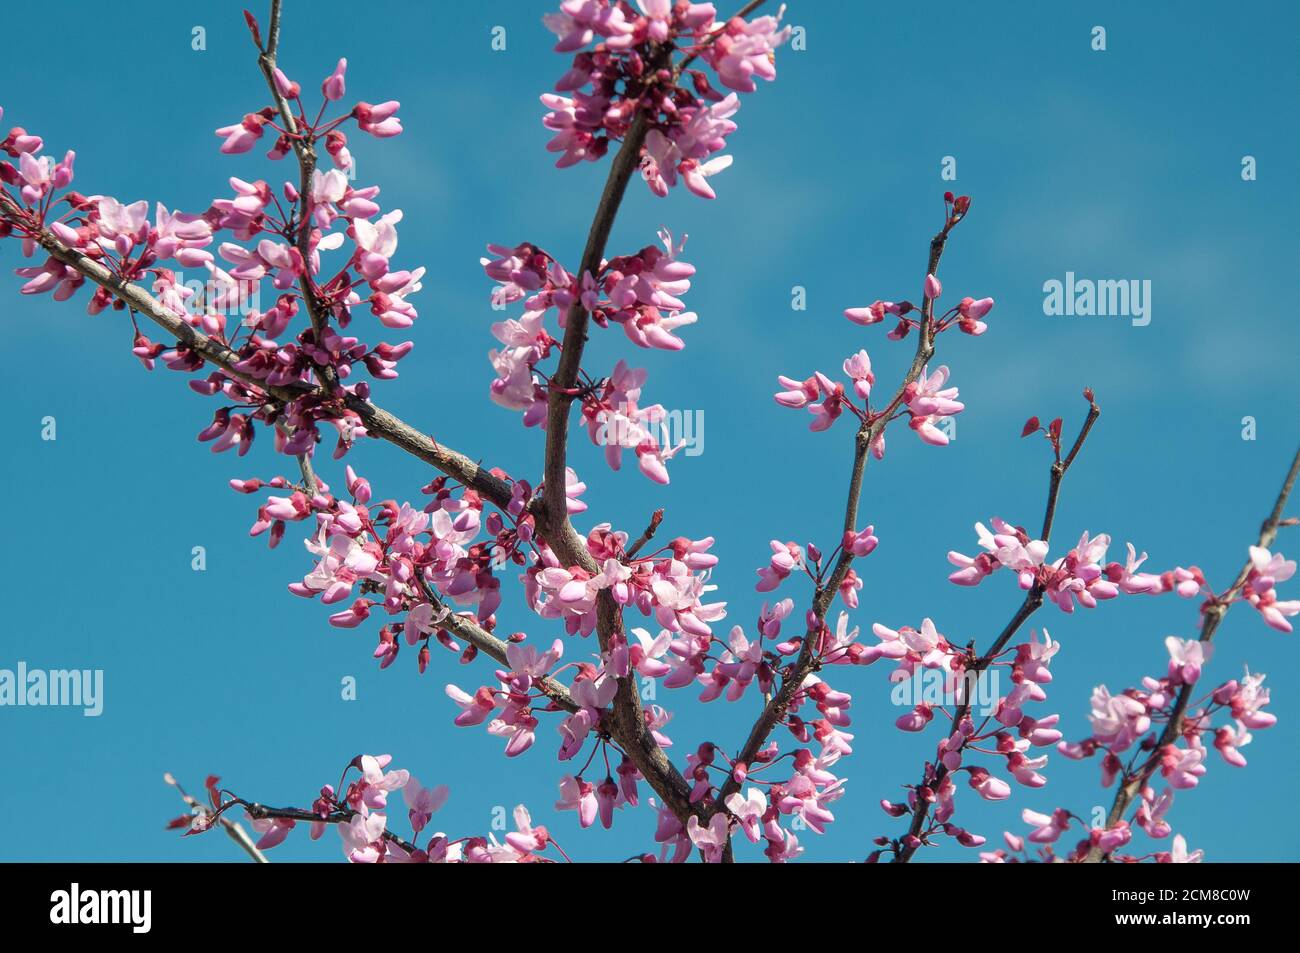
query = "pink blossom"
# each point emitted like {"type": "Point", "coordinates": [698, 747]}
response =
{"type": "Point", "coordinates": [1182, 767]}
{"type": "Point", "coordinates": [858, 369]}
{"type": "Point", "coordinates": [422, 802]}
{"type": "Point", "coordinates": [1112, 838]}
{"type": "Point", "coordinates": [1186, 659]}
{"type": "Point", "coordinates": [273, 830]}
{"type": "Point", "coordinates": [1178, 853]}
{"type": "Point", "coordinates": [1117, 720]}
{"type": "Point", "coordinates": [1247, 698]}
{"type": "Point", "coordinates": [749, 811]}
{"type": "Point", "coordinates": [929, 400]}
{"type": "Point", "coordinates": [1268, 569]}
{"type": "Point", "coordinates": [1152, 810]}
{"type": "Point", "coordinates": [363, 838]}
{"type": "Point", "coordinates": [711, 839]}
{"type": "Point", "coordinates": [1047, 828]}
{"type": "Point", "coordinates": [578, 795]}
{"type": "Point", "coordinates": [334, 85]}
{"type": "Point", "coordinates": [786, 557]}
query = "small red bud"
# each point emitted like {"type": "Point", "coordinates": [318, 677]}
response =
{"type": "Point", "coordinates": [253, 28]}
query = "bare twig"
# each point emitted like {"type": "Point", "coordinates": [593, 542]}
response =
{"type": "Point", "coordinates": [655, 519]}
{"type": "Point", "coordinates": [233, 829]}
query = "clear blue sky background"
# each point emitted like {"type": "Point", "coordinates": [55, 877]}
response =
{"type": "Point", "coordinates": [1122, 164]}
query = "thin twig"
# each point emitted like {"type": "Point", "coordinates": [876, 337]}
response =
{"type": "Point", "coordinates": [233, 829]}
{"type": "Point", "coordinates": [655, 519]}
{"type": "Point", "coordinates": [340, 816]}
{"type": "Point", "coordinates": [486, 642]}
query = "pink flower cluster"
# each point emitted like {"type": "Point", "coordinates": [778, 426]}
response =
{"type": "Point", "coordinates": [669, 585]}
{"type": "Point", "coordinates": [273, 241]}
{"type": "Point", "coordinates": [788, 558]}
{"type": "Point", "coordinates": [1082, 576]}
{"type": "Point", "coordinates": [926, 400]}
{"type": "Point", "coordinates": [638, 292]}
{"type": "Point", "coordinates": [813, 787]}
{"type": "Point", "coordinates": [1119, 722]}
{"type": "Point", "coordinates": [629, 75]}
{"type": "Point", "coordinates": [405, 560]}
{"type": "Point", "coordinates": [1006, 730]}
{"type": "Point", "coordinates": [1047, 828]}
{"type": "Point", "coordinates": [1266, 571]}
{"type": "Point", "coordinates": [1130, 722]}
{"type": "Point", "coordinates": [379, 120]}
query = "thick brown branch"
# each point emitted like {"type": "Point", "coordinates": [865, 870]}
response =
{"type": "Point", "coordinates": [627, 719]}
{"type": "Point", "coordinates": [565, 378]}
{"type": "Point", "coordinates": [1212, 617]}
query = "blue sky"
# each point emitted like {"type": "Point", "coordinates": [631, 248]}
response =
{"type": "Point", "coordinates": [1117, 164]}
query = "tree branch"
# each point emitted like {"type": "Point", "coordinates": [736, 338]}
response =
{"type": "Point", "coordinates": [305, 151]}
{"type": "Point", "coordinates": [1213, 616]}
{"type": "Point", "coordinates": [485, 641]}
{"type": "Point", "coordinates": [261, 812]}
{"type": "Point", "coordinates": [905, 848]}
{"type": "Point", "coordinates": [627, 718]}
{"type": "Point", "coordinates": [379, 422]}
{"type": "Point", "coordinates": [626, 723]}
{"type": "Point", "coordinates": [233, 829]}
{"type": "Point", "coordinates": [871, 429]}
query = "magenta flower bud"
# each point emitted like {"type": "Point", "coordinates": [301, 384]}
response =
{"type": "Point", "coordinates": [334, 86]}
{"type": "Point", "coordinates": [64, 233]}
{"type": "Point", "coordinates": [892, 809]}
{"type": "Point", "coordinates": [287, 87]}
{"type": "Point", "coordinates": [63, 171]}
